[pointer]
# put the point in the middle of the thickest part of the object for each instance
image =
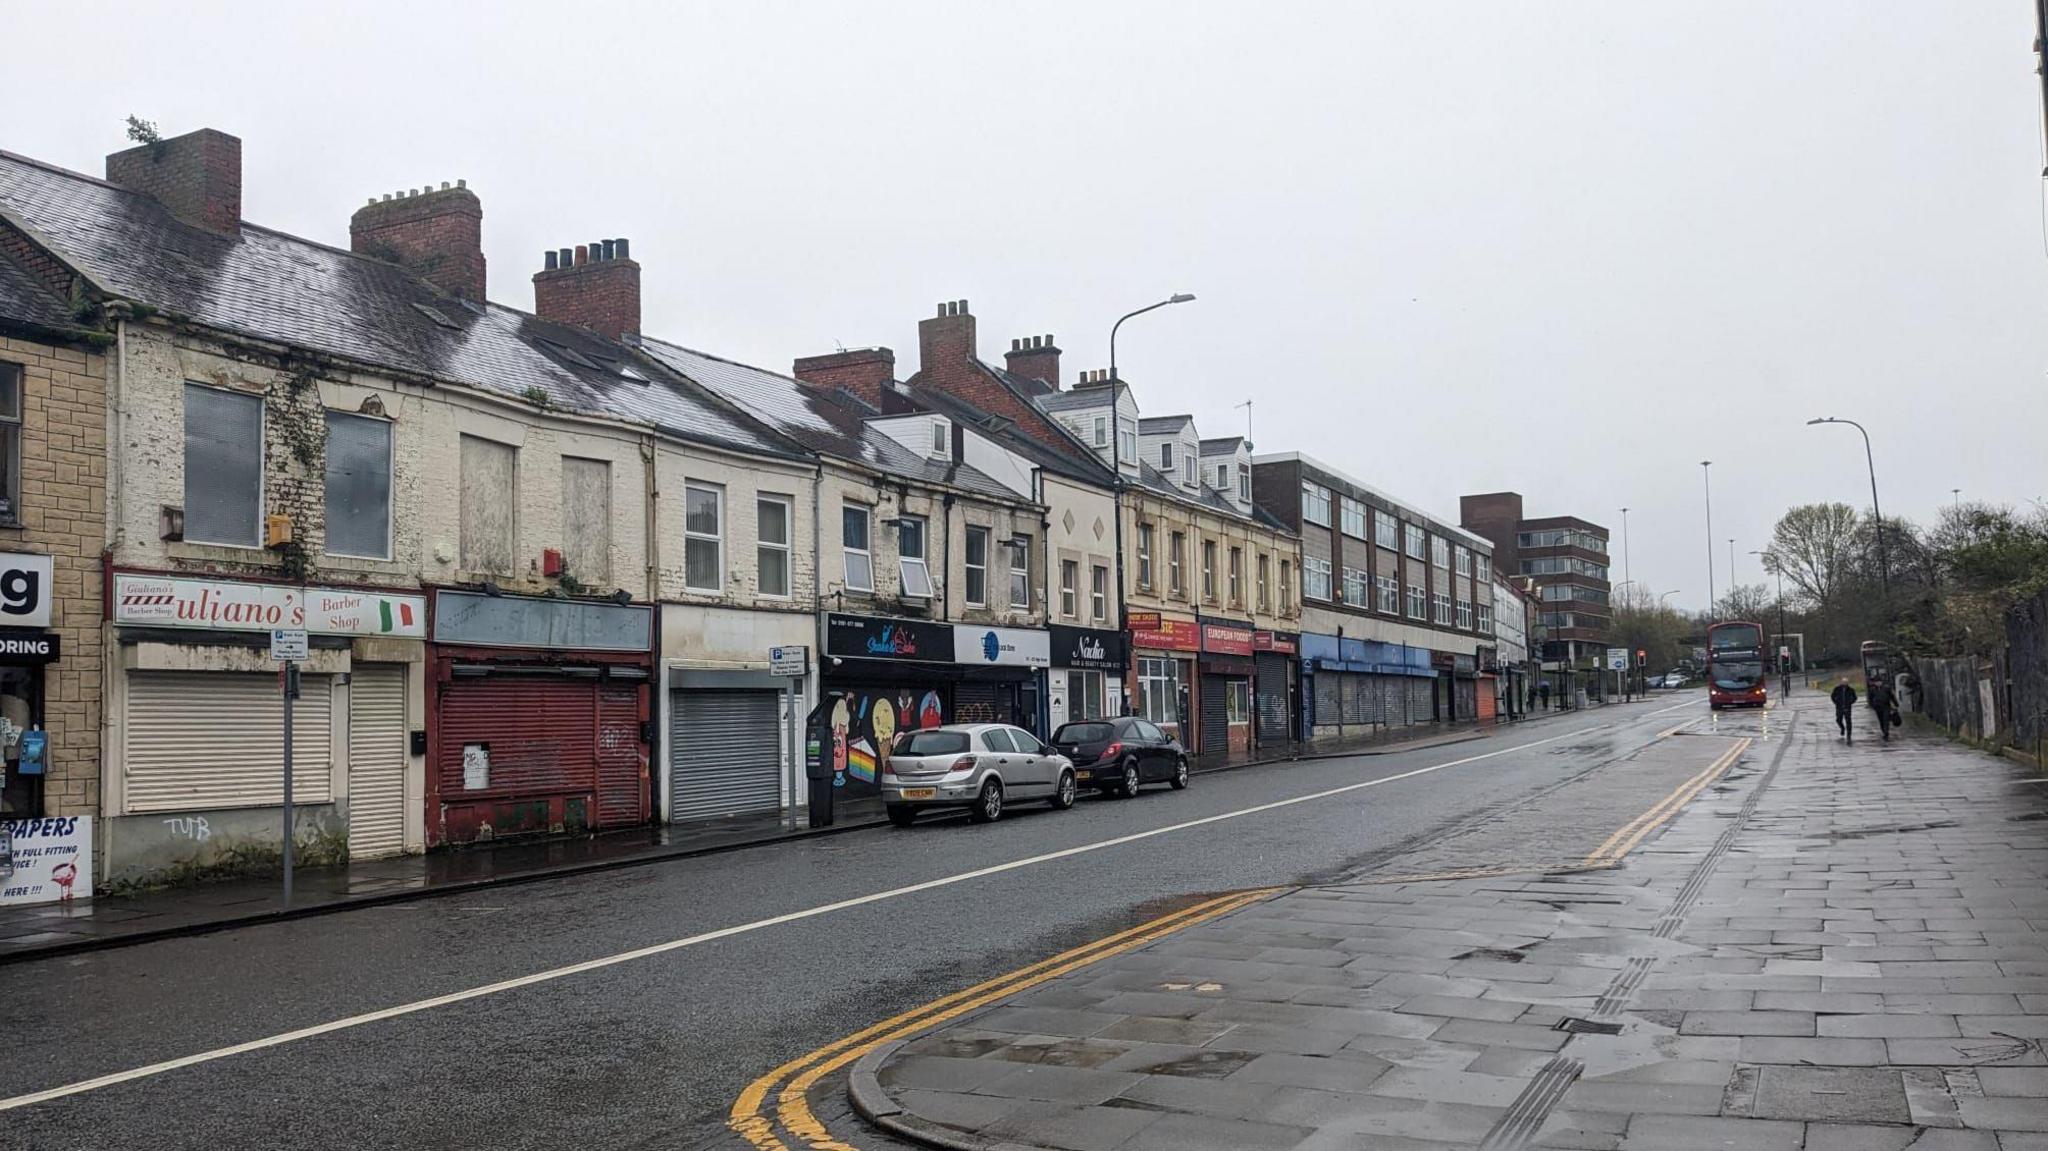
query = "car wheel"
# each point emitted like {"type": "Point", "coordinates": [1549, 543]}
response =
{"type": "Point", "coordinates": [988, 805]}
{"type": "Point", "coordinates": [1131, 781]}
{"type": "Point", "coordinates": [902, 814]}
{"type": "Point", "coordinates": [1063, 793]}
{"type": "Point", "coordinates": [1180, 774]}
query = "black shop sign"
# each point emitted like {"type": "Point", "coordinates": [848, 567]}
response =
{"type": "Point", "coordinates": [873, 637]}
{"type": "Point", "coordinates": [1087, 647]}
{"type": "Point", "coordinates": [29, 647]}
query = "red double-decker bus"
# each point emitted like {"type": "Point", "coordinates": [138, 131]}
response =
{"type": "Point", "coordinates": [1735, 664]}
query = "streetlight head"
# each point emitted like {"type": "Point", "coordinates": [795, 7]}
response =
{"type": "Point", "coordinates": [1820, 420]}
{"type": "Point", "coordinates": [1706, 463]}
{"type": "Point", "coordinates": [1181, 298]}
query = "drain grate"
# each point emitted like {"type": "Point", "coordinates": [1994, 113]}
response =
{"type": "Point", "coordinates": [1576, 1026]}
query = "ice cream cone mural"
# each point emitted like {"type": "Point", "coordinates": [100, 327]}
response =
{"type": "Point", "coordinates": [883, 723]}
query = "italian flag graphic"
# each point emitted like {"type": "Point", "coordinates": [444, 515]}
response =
{"type": "Point", "coordinates": [390, 619]}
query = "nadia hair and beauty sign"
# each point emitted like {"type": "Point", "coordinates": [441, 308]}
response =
{"type": "Point", "coordinates": [226, 605]}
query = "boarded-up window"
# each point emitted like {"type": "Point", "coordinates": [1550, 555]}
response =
{"type": "Point", "coordinates": [587, 519]}
{"type": "Point", "coordinates": [223, 466]}
{"type": "Point", "coordinates": [489, 494]}
{"type": "Point", "coordinates": [358, 486]}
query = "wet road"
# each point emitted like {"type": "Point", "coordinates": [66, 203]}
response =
{"type": "Point", "coordinates": [759, 956]}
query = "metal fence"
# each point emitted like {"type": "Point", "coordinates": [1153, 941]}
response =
{"type": "Point", "coordinates": [2000, 696]}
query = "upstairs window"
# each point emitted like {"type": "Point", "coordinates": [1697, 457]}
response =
{"type": "Point", "coordinates": [1315, 504]}
{"type": "Point", "coordinates": [1175, 557]}
{"type": "Point", "coordinates": [703, 538]}
{"type": "Point", "coordinates": [1070, 592]}
{"type": "Point", "coordinates": [860, 561]}
{"type": "Point", "coordinates": [1315, 578]}
{"type": "Point", "coordinates": [1020, 573]}
{"type": "Point", "coordinates": [976, 559]}
{"type": "Point", "coordinates": [1286, 587]}
{"type": "Point", "coordinates": [1101, 431]}
{"type": "Point", "coordinates": [942, 446]}
{"type": "Point", "coordinates": [10, 443]}
{"type": "Point", "coordinates": [911, 561]}
{"type": "Point", "coordinates": [1418, 542]}
{"type": "Point", "coordinates": [1145, 556]}
{"type": "Point", "coordinates": [1418, 603]}
{"type": "Point", "coordinates": [224, 469]}
{"type": "Point", "coordinates": [1439, 551]}
{"type": "Point", "coordinates": [1244, 485]}
{"type": "Point", "coordinates": [771, 549]}
{"type": "Point", "coordinates": [359, 486]}
{"type": "Point", "coordinates": [1209, 570]}
{"type": "Point", "coordinates": [1389, 590]}
{"type": "Point", "coordinates": [587, 519]}
{"type": "Point", "coordinates": [1464, 558]}
{"type": "Point", "coordinates": [1265, 597]}
{"type": "Point", "coordinates": [1098, 592]}
{"type": "Point", "coordinates": [1166, 458]}
{"type": "Point", "coordinates": [1236, 577]}
{"type": "Point", "coordinates": [490, 483]}
{"type": "Point", "coordinates": [1351, 519]}
{"type": "Point", "coordinates": [1385, 532]}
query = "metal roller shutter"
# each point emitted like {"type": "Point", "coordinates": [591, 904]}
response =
{"type": "Point", "coordinates": [725, 757]}
{"type": "Point", "coordinates": [977, 703]}
{"type": "Point", "coordinates": [200, 740]}
{"type": "Point", "coordinates": [1421, 698]}
{"type": "Point", "coordinates": [376, 760]}
{"type": "Point", "coordinates": [1215, 708]}
{"type": "Point", "coordinates": [621, 763]}
{"type": "Point", "coordinates": [1270, 701]}
{"type": "Point", "coordinates": [541, 734]}
{"type": "Point", "coordinates": [1468, 698]}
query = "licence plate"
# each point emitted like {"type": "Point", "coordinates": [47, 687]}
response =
{"type": "Point", "coordinates": [920, 793]}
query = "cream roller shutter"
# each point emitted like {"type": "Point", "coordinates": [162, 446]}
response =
{"type": "Point", "coordinates": [200, 740]}
{"type": "Point", "coordinates": [376, 760]}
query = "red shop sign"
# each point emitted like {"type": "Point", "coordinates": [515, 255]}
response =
{"type": "Point", "coordinates": [1168, 634]}
{"type": "Point", "coordinates": [1272, 641]}
{"type": "Point", "coordinates": [1226, 640]}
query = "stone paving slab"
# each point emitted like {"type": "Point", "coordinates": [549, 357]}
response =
{"type": "Point", "coordinates": [1831, 948]}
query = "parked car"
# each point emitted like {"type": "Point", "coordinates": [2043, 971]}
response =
{"type": "Point", "coordinates": [1675, 679]}
{"type": "Point", "coordinates": [979, 766]}
{"type": "Point", "coordinates": [1122, 754]}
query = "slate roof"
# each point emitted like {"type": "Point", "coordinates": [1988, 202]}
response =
{"type": "Point", "coordinates": [1002, 430]}
{"type": "Point", "coordinates": [1163, 425]}
{"type": "Point", "coordinates": [23, 298]}
{"type": "Point", "coordinates": [1084, 397]}
{"type": "Point", "coordinates": [280, 288]}
{"type": "Point", "coordinates": [1222, 445]}
{"type": "Point", "coordinates": [1210, 499]}
{"type": "Point", "coordinates": [830, 423]}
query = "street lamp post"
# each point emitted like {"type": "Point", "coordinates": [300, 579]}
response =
{"type": "Point", "coordinates": [1733, 583]}
{"type": "Point", "coordinates": [1116, 463]}
{"type": "Point", "coordinates": [1707, 485]}
{"type": "Point", "coordinates": [1624, 547]}
{"type": "Point", "coordinates": [1884, 571]}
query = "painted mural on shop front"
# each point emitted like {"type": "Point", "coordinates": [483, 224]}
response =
{"type": "Point", "coordinates": [863, 725]}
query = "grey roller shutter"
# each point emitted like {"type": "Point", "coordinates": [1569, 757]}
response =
{"type": "Point", "coordinates": [195, 740]}
{"type": "Point", "coordinates": [725, 753]}
{"type": "Point", "coordinates": [376, 760]}
{"type": "Point", "coordinates": [1270, 701]}
{"type": "Point", "coordinates": [1215, 723]}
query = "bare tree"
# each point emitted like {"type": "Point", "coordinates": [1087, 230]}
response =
{"type": "Point", "coordinates": [1815, 546]}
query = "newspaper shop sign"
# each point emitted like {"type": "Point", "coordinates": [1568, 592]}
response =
{"type": "Point", "coordinates": [45, 860]}
{"type": "Point", "coordinates": [170, 601]}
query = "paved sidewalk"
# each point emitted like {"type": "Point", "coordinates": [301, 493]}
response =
{"type": "Point", "coordinates": [1831, 949]}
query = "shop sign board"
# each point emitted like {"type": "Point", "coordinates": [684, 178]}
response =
{"type": "Point", "coordinates": [1001, 646]}
{"type": "Point", "coordinates": [1085, 647]}
{"type": "Point", "coordinates": [174, 601]}
{"type": "Point", "coordinates": [1222, 639]}
{"type": "Point", "coordinates": [1284, 643]}
{"type": "Point", "coordinates": [29, 647]}
{"type": "Point", "coordinates": [479, 620]}
{"type": "Point", "coordinates": [873, 637]}
{"type": "Point", "coordinates": [24, 590]}
{"type": "Point", "coordinates": [45, 860]}
{"type": "Point", "coordinates": [1165, 634]}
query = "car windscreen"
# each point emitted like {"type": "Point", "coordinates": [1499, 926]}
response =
{"type": "Point", "coordinates": [935, 743]}
{"type": "Point", "coordinates": [1082, 733]}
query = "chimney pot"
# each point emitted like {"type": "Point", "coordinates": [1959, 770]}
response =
{"type": "Point", "coordinates": [568, 258]}
{"type": "Point", "coordinates": [582, 254]}
{"type": "Point", "coordinates": [624, 254]}
{"type": "Point", "coordinates": [1015, 344]}
{"type": "Point", "coordinates": [963, 308]}
{"type": "Point", "coordinates": [602, 293]}
{"type": "Point", "coordinates": [942, 310]}
{"type": "Point", "coordinates": [548, 259]}
{"type": "Point", "coordinates": [444, 185]}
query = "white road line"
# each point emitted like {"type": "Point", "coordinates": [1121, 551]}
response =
{"type": "Point", "coordinates": [554, 973]}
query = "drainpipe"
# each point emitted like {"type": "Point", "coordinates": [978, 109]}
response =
{"type": "Point", "coordinates": [649, 459]}
{"type": "Point", "coordinates": [946, 556]}
{"type": "Point", "coordinates": [117, 429]}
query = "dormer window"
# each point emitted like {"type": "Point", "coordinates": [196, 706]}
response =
{"type": "Point", "coordinates": [1166, 458]}
{"type": "Point", "coordinates": [1244, 485]}
{"type": "Point", "coordinates": [941, 445]}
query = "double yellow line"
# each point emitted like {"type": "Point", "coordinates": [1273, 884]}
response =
{"type": "Point", "coordinates": [795, 1078]}
{"type": "Point", "coordinates": [1618, 845]}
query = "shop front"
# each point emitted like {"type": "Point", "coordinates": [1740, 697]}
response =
{"type": "Point", "coordinates": [1275, 689]}
{"type": "Point", "coordinates": [1162, 673]}
{"type": "Point", "coordinates": [1353, 686]}
{"type": "Point", "coordinates": [27, 650]}
{"type": "Point", "coordinates": [194, 759]}
{"type": "Point", "coordinates": [881, 677]}
{"type": "Point", "coordinates": [727, 709]}
{"type": "Point", "coordinates": [539, 716]}
{"type": "Point", "coordinates": [1087, 676]}
{"type": "Point", "coordinates": [1223, 699]}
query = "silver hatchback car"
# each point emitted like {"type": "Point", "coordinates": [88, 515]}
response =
{"type": "Point", "coordinates": [978, 766]}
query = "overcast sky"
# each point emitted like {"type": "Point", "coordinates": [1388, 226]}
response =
{"type": "Point", "coordinates": [1568, 249]}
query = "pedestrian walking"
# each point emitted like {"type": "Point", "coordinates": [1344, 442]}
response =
{"type": "Point", "coordinates": [1886, 705]}
{"type": "Point", "coordinates": [1844, 698]}
{"type": "Point", "coordinates": [1543, 693]}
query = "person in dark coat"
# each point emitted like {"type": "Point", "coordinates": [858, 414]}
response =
{"type": "Point", "coordinates": [1844, 698]}
{"type": "Point", "coordinates": [1885, 704]}
{"type": "Point", "coordinates": [1543, 692]}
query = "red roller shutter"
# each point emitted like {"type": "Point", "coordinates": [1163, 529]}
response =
{"type": "Point", "coordinates": [562, 753]}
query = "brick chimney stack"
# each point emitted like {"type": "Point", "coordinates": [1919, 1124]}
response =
{"type": "Point", "coordinates": [1034, 358]}
{"type": "Point", "coordinates": [198, 176]}
{"type": "Point", "coordinates": [595, 286]}
{"type": "Point", "coordinates": [864, 372]}
{"type": "Point", "coordinates": [437, 235]}
{"type": "Point", "coordinates": [945, 342]}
